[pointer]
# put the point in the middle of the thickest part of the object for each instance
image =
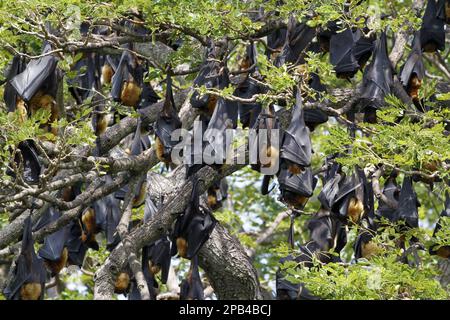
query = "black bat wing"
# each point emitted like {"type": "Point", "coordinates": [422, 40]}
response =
{"type": "Point", "coordinates": [378, 76]}
{"type": "Point", "coordinates": [35, 75]}
{"type": "Point", "coordinates": [346, 187]}
{"type": "Point", "coordinates": [296, 145]}
{"type": "Point", "coordinates": [363, 48]}
{"type": "Point", "coordinates": [32, 165]}
{"type": "Point", "coordinates": [302, 184]}
{"type": "Point", "coordinates": [10, 94]}
{"type": "Point", "coordinates": [363, 238]}
{"type": "Point", "coordinates": [77, 250]}
{"type": "Point", "coordinates": [407, 204]}
{"type": "Point", "coordinates": [391, 191]}
{"type": "Point", "coordinates": [200, 229]}
{"type": "Point", "coordinates": [320, 228]}
{"type": "Point", "coordinates": [159, 254]}
{"type": "Point", "coordinates": [433, 25]}
{"type": "Point", "coordinates": [113, 217]}
{"type": "Point", "coordinates": [148, 96]}
{"type": "Point", "coordinates": [55, 242]}
{"type": "Point", "coordinates": [121, 74]}
{"type": "Point", "coordinates": [341, 53]}
{"type": "Point", "coordinates": [248, 113]}
{"type": "Point", "coordinates": [414, 63]}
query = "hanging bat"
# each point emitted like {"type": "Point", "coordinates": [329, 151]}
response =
{"type": "Point", "coordinates": [248, 113]}
{"type": "Point", "coordinates": [191, 288]}
{"type": "Point", "coordinates": [432, 32]}
{"type": "Point", "coordinates": [89, 229]}
{"type": "Point", "coordinates": [54, 251]}
{"type": "Point", "coordinates": [107, 216]}
{"type": "Point", "coordinates": [314, 117]}
{"type": "Point", "coordinates": [166, 123]}
{"type": "Point", "coordinates": [194, 155]}
{"type": "Point", "coordinates": [364, 246]}
{"type": "Point", "coordinates": [37, 85]}
{"type": "Point", "coordinates": [324, 35]}
{"type": "Point", "coordinates": [208, 77]}
{"type": "Point", "coordinates": [109, 67]}
{"type": "Point", "coordinates": [12, 99]}
{"type": "Point", "coordinates": [152, 284]}
{"type": "Point", "coordinates": [296, 145]}
{"type": "Point", "coordinates": [87, 77]}
{"type": "Point", "coordinates": [224, 117]}
{"type": "Point", "coordinates": [298, 37]}
{"type": "Point", "coordinates": [122, 283]}
{"type": "Point", "coordinates": [158, 257]}
{"type": "Point", "coordinates": [391, 191]}
{"type": "Point", "coordinates": [413, 71]}
{"type": "Point", "coordinates": [267, 149]}
{"type": "Point", "coordinates": [192, 227]}
{"type": "Point", "coordinates": [348, 203]}
{"type": "Point", "coordinates": [330, 188]}
{"type": "Point", "coordinates": [275, 41]}
{"type": "Point", "coordinates": [217, 193]}
{"type": "Point", "coordinates": [29, 160]}
{"type": "Point", "coordinates": [442, 251]}
{"type": "Point", "coordinates": [321, 230]}
{"type": "Point", "coordinates": [76, 248]}
{"type": "Point", "coordinates": [296, 189]}
{"type": "Point", "coordinates": [341, 54]}
{"type": "Point", "coordinates": [377, 79]}
{"type": "Point", "coordinates": [127, 81]}
{"type": "Point", "coordinates": [28, 276]}
{"type": "Point", "coordinates": [363, 47]}
{"type": "Point", "coordinates": [408, 204]}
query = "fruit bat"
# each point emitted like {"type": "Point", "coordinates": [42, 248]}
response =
{"type": "Point", "coordinates": [363, 47]}
{"type": "Point", "coordinates": [122, 283]}
{"type": "Point", "coordinates": [248, 113]}
{"type": "Point", "coordinates": [38, 75]}
{"type": "Point", "coordinates": [87, 77]}
{"type": "Point", "coordinates": [342, 56]}
{"type": "Point", "coordinates": [108, 215]}
{"type": "Point", "coordinates": [54, 251]}
{"type": "Point", "coordinates": [158, 257]}
{"type": "Point", "coordinates": [377, 80]}
{"type": "Point", "coordinates": [127, 81]}
{"type": "Point", "coordinates": [267, 149]}
{"type": "Point", "coordinates": [191, 288]}
{"type": "Point", "coordinates": [138, 145]}
{"type": "Point", "coordinates": [349, 201]}
{"type": "Point", "coordinates": [77, 249]}
{"type": "Point", "coordinates": [368, 202]}
{"type": "Point", "coordinates": [224, 117]}
{"type": "Point", "coordinates": [432, 32]}
{"type": "Point", "coordinates": [37, 85]}
{"type": "Point", "coordinates": [29, 160]}
{"type": "Point", "coordinates": [28, 276]}
{"type": "Point", "coordinates": [364, 246]}
{"type": "Point", "coordinates": [152, 284]}
{"type": "Point", "coordinates": [324, 35]}
{"type": "Point", "coordinates": [314, 117]}
{"type": "Point", "coordinates": [321, 230]}
{"type": "Point", "coordinates": [166, 123]}
{"type": "Point", "coordinates": [192, 227]}
{"type": "Point", "coordinates": [290, 291]}
{"type": "Point", "coordinates": [217, 193]}
{"type": "Point", "coordinates": [89, 228]}
{"type": "Point", "coordinates": [296, 144]}
{"type": "Point", "coordinates": [413, 71]}
{"type": "Point", "coordinates": [275, 41]}
{"type": "Point", "coordinates": [407, 204]}
{"type": "Point", "coordinates": [194, 155]}
{"type": "Point", "coordinates": [442, 251]}
{"type": "Point", "coordinates": [391, 191]}
{"type": "Point", "coordinates": [330, 188]}
{"type": "Point", "coordinates": [109, 67]}
{"type": "Point", "coordinates": [298, 37]}
{"type": "Point", "coordinates": [209, 78]}
{"type": "Point", "coordinates": [296, 188]}
{"type": "Point", "coordinates": [12, 100]}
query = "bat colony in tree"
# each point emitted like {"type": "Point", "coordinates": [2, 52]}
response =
{"type": "Point", "coordinates": [344, 199]}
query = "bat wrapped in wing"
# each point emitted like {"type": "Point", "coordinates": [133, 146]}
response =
{"type": "Point", "coordinates": [191, 288]}
{"type": "Point", "coordinates": [413, 71]}
{"type": "Point", "coordinates": [391, 191]}
{"type": "Point", "coordinates": [54, 251]}
{"type": "Point", "coordinates": [192, 227]}
{"type": "Point", "coordinates": [28, 276]}
{"type": "Point", "coordinates": [432, 32]}
{"type": "Point", "coordinates": [10, 96]}
{"type": "Point", "coordinates": [158, 257]}
{"type": "Point", "coordinates": [298, 38]}
{"type": "Point", "coordinates": [377, 80]}
{"type": "Point", "coordinates": [296, 188]}
{"type": "Point", "coordinates": [342, 56]}
{"type": "Point", "coordinates": [166, 123]}
{"type": "Point", "coordinates": [407, 204]}
{"type": "Point", "coordinates": [217, 193]}
{"type": "Point", "coordinates": [314, 117]}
